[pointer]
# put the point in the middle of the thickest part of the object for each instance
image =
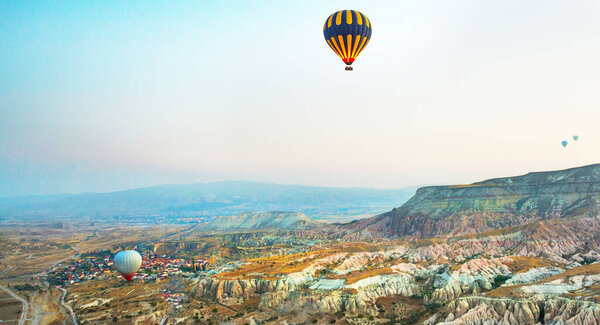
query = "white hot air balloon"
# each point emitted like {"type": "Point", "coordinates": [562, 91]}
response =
{"type": "Point", "coordinates": [127, 263]}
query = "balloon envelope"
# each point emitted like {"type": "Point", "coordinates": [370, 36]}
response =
{"type": "Point", "coordinates": [564, 143]}
{"type": "Point", "coordinates": [347, 33]}
{"type": "Point", "coordinates": [127, 263]}
{"type": "Point", "coordinates": [575, 137]}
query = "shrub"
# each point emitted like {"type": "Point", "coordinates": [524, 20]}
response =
{"type": "Point", "coordinates": [433, 305]}
{"type": "Point", "coordinates": [499, 280]}
{"type": "Point", "coordinates": [587, 260]}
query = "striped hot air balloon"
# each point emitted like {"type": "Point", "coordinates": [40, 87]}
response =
{"type": "Point", "coordinates": [127, 263]}
{"type": "Point", "coordinates": [347, 32]}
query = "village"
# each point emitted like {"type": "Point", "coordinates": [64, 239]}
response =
{"type": "Point", "coordinates": [97, 265]}
{"type": "Point", "coordinates": [154, 268]}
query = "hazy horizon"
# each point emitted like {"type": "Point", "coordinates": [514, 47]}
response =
{"type": "Point", "coordinates": [411, 187]}
{"type": "Point", "coordinates": [224, 181]}
{"type": "Point", "coordinates": [98, 97]}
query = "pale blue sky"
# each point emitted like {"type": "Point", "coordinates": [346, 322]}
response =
{"type": "Point", "coordinates": [107, 95]}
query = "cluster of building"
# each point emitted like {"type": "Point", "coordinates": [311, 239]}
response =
{"type": "Point", "coordinates": [202, 220]}
{"type": "Point", "coordinates": [162, 266]}
{"type": "Point", "coordinates": [79, 270]}
{"type": "Point", "coordinates": [99, 266]}
{"type": "Point", "coordinates": [175, 298]}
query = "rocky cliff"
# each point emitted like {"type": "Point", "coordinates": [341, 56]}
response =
{"type": "Point", "coordinates": [491, 204]}
{"type": "Point", "coordinates": [218, 288]}
{"type": "Point", "coordinates": [311, 302]}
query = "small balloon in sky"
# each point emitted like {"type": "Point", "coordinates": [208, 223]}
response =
{"type": "Point", "coordinates": [575, 137]}
{"type": "Point", "coordinates": [564, 143]}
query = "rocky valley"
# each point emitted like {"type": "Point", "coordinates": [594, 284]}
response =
{"type": "Point", "coordinates": [517, 250]}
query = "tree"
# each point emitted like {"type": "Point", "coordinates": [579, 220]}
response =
{"type": "Point", "coordinates": [499, 280]}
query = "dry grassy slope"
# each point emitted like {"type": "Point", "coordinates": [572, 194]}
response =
{"type": "Point", "coordinates": [489, 205]}
{"type": "Point", "coordinates": [114, 301]}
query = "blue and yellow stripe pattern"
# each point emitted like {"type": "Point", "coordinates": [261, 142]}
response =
{"type": "Point", "coordinates": [347, 32]}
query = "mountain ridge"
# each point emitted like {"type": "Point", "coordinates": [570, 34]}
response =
{"type": "Point", "coordinates": [490, 204]}
{"type": "Point", "coordinates": [208, 199]}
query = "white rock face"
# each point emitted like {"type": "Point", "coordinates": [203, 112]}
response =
{"type": "Point", "coordinates": [219, 288]}
{"type": "Point", "coordinates": [584, 280]}
{"type": "Point", "coordinates": [299, 278]}
{"type": "Point", "coordinates": [407, 268]}
{"type": "Point", "coordinates": [328, 284]}
{"type": "Point", "coordinates": [377, 286]}
{"type": "Point", "coordinates": [470, 277]}
{"type": "Point", "coordinates": [357, 261]}
{"type": "Point", "coordinates": [96, 302]}
{"type": "Point", "coordinates": [533, 275]}
{"type": "Point", "coordinates": [560, 286]}
{"type": "Point", "coordinates": [539, 308]}
{"type": "Point", "coordinates": [556, 287]}
{"type": "Point", "coordinates": [306, 275]}
{"type": "Point", "coordinates": [306, 302]}
{"type": "Point", "coordinates": [589, 256]}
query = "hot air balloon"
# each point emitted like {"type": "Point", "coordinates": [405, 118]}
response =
{"type": "Point", "coordinates": [575, 137]}
{"type": "Point", "coordinates": [564, 143]}
{"type": "Point", "coordinates": [347, 32]}
{"type": "Point", "coordinates": [127, 263]}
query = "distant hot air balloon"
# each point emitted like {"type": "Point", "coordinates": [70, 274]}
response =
{"type": "Point", "coordinates": [564, 143]}
{"type": "Point", "coordinates": [127, 263]}
{"type": "Point", "coordinates": [347, 32]}
{"type": "Point", "coordinates": [575, 137]}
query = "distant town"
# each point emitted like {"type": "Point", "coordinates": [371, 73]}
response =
{"type": "Point", "coordinates": [154, 267]}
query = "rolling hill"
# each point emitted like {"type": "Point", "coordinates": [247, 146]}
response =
{"type": "Point", "coordinates": [273, 220]}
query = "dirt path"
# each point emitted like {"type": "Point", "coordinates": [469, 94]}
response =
{"type": "Point", "coordinates": [228, 307]}
{"type": "Point", "coordinates": [67, 307]}
{"type": "Point", "coordinates": [36, 309]}
{"type": "Point", "coordinates": [25, 305]}
{"type": "Point", "coordinates": [62, 309]}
